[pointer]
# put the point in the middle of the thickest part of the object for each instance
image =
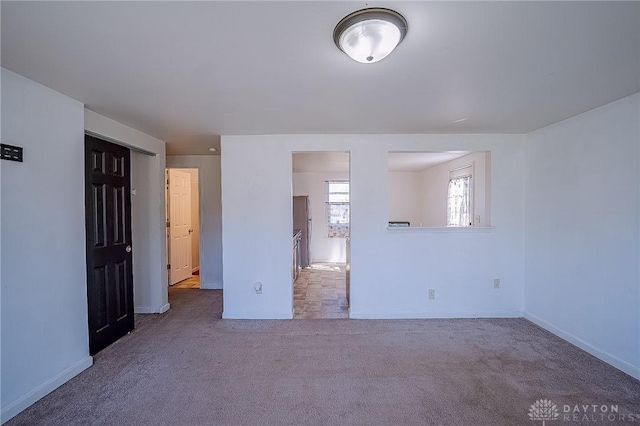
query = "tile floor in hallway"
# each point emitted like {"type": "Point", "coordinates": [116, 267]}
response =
{"type": "Point", "coordinates": [191, 282]}
{"type": "Point", "coordinates": [320, 292]}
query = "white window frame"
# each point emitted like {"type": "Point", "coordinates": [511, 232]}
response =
{"type": "Point", "coordinates": [331, 225]}
{"type": "Point", "coordinates": [467, 170]}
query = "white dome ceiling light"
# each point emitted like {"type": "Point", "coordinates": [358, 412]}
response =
{"type": "Point", "coordinates": [370, 35]}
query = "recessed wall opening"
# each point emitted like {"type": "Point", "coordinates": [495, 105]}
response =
{"type": "Point", "coordinates": [321, 235]}
{"type": "Point", "coordinates": [439, 189]}
{"type": "Point", "coordinates": [183, 229]}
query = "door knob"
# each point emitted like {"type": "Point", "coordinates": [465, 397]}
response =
{"type": "Point", "coordinates": [128, 249]}
{"type": "Point", "coordinates": [190, 230]}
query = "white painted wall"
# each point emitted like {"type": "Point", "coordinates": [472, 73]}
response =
{"type": "Point", "coordinates": [583, 231]}
{"type": "Point", "coordinates": [406, 194]}
{"type": "Point", "coordinates": [43, 270]}
{"type": "Point", "coordinates": [140, 231]}
{"type": "Point", "coordinates": [314, 184]}
{"type": "Point", "coordinates": [210, 213]}
{"type": "Point", "coordinates": [147, 210]}
{"type": "Point", "coordinates": [391, 270]}
{"type": "Point", "coordinates": [436, 183]}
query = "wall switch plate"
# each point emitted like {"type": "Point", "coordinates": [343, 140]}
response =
{"type": "Point", "coordinates": [432, 294]}
{"type": "Point", "coordinates": [496, 283]}
{"type": "Point", "coordinates": [11, 153]}
{"type": "Point", "coordinates": [258, 287]}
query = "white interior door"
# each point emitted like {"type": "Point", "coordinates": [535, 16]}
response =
{"type": "Point", "coordinates": [180, 225]}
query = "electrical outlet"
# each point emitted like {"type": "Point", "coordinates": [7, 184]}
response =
{"type": "Point", "coordinates": [432, 294]}
{"type": "Point", "coordinates": [477, 219]}
{"type": "Point", "coordinates": [496, 283]}
{"type": "Point", "coordinates": [258, 287]}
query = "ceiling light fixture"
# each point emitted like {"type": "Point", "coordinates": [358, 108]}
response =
{"type": "Point", "coordinates": [370, 35]}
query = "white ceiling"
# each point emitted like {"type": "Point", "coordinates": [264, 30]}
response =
{"type": "Point", "coordinates": [305, 162]}
{"type": "Point", "coordinates": [212, 68]}
{"type": "Point", "coordinates": [418, 161]}
{"type": "Point", "coordinates": [194, 145]}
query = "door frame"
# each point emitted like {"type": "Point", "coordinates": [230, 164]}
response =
{"type": "Point", "coordinates": [100, 338]}
{"type": "Point", "coordinates": [153, 247]}
{"type": "Point", "coordinates": [347, 244]}
{"type": "Point", "coordinates": [167, 207]}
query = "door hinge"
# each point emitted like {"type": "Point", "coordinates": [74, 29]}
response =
{"type": "Point", "coordinates": [168, 266]}
{"type": "Point", "coordinates": [168, 224]}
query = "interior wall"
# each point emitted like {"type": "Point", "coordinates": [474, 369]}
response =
{"type": "Point", "coordinates": [405, 197]}
{"type": "Point", "coordinates": [392, 270]}
{"type": "Point", "coordinates": [436, 184]}
{"type": "Point", "coordinates": [314, 184]}
{"type": "Point", "coordinates": [147, 210]}
{"type": "Point", "coordinates": [43, 270]}
{"type": "Point", "coordinates": [140, 232]}
{"type": "Point", "coordinates": [583, 231]}
{"type": "Point", "coordinates": [210, 213]}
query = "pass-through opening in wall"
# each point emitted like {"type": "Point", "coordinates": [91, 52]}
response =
{"type": "Point", "coordinates": [439, 189]}
{"type": "Point", "coordinates": [321, 223]}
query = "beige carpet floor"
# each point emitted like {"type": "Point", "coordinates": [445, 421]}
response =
{"type": "Point", "coordinates": [189, 367]}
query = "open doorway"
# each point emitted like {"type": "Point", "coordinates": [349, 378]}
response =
{"type": "Point", "coordinates": [183, 230]}
{"type": "Point", "coordinates": [321, 237]}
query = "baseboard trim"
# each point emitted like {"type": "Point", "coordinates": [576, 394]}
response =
{"type": "Point", "coordinates": [212, 286]}
{"type": "Point", "coordinates": [149, 310]}
{"type": "Point", "coordinates": [605, 356]}
{"type": "Point", "coordinates": [44, 389]}
{"type": "Point", "coordinates": [257, 315]}
{"type": "Point", "coordinates": [427, 315]}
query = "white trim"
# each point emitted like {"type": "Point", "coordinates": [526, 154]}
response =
{"type": "Point", "coordinates": [120, 143]}
{"type": "Point", "coordinates": [149, 310]}
{"type": "Point", "coordinates": [470, 166]}
{"type": "Point", "coordinates": [201, 265]}
{"type": "Point", "coordinates": [212, 286]}
{"type": "Point", "coordinates": [44, 389]}
{"type": "Point", "coordinates": [441, 229]}
{"type": "Point", "coordinates": [605, 356]}
{"type": "Point", "coordinates": [427, 315]}
{"type": "Point", "coordinates": [257, 315]}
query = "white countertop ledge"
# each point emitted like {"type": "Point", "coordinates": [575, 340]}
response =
{"type": "Point", "coordinates": [441, 229]}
